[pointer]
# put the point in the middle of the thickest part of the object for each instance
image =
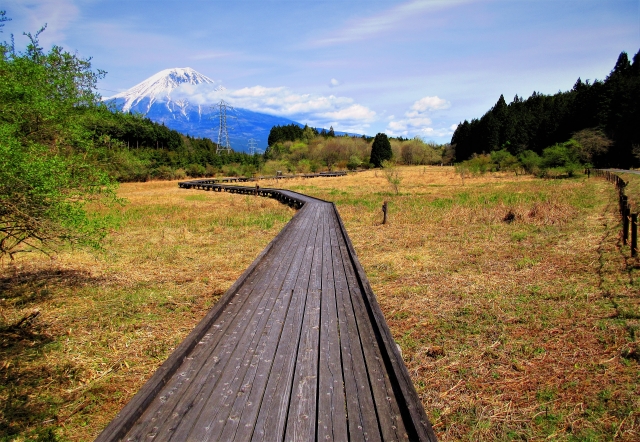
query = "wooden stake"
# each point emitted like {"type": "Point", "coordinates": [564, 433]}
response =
{"type": "Point", "coordinates": [634, 234]}
{"type": "Point", "coordinates": [384, 212]}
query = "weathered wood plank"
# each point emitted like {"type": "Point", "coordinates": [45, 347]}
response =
{"type": "Point", "coordinates": [388, 413]}
{"type": "Point", "coordinates": [332, 411]}
{"type": "Point", "coordinates": [211, 358]}
{"type": "Point", "coordinates": [301, 420]}
{"type": "Point", "coordinates": [363, 423]}
{"type": "Point", "coordinates": [150, 392]}
{"type": "Point", "coordinates": [272, 417]}
{"type": "Point", "coordinates": [221, 383]}
{"type": "Point", "coordinates": [250, 388]}
{"type": "Point", "coordinates": [416, 422]}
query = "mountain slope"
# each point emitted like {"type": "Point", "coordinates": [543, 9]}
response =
{"type": "Point", "coordinates": [153, 98]}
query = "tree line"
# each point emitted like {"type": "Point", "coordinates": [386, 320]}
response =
{"type": "Point", "coordinates": [608, 110]}
{"type": "Point", "coordinates": [295, 149]}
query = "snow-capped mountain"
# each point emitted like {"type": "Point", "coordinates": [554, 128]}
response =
{"type": "Point", "coordinates": [158, 99]}
{"type": "Point", "coordinates": [158, 87]}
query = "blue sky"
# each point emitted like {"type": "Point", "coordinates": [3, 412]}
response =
{"type": "Point", "coordinates": [411, 68]}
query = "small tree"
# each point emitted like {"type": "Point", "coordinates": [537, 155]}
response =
{"type": "Point", "coordinates": [48, 174]}
{"type": "Point", "coordinates": [380, 150]}
{"type": "Point", "coordinates": [392, 175]}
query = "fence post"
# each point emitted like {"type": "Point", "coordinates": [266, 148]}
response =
{"type": "Point", "coordinates": [384, 212]}
{"type": "Point", "coordinates": [634, 234]}
{"type": "Point", "coordinates": [625, 222]}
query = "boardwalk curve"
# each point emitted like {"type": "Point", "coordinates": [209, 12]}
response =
{"type": "Point", "coordinates": [297, 350]}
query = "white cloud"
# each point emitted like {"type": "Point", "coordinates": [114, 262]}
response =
{"type": "Point", "coordinates": [30, 16]}
{"type": "Point", "coordinates": [416, 120]}
{"type": "Point", "coordinates": [334, 82]}
{"type": "Point", "coordinates": [317, 110]}
{"type": "Point", "coordinates": [363, 28]}
{"type": "Point", "coordinates": [429, 103]}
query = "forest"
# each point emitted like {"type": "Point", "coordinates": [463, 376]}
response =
{"type": "Point", "coordinates": [599, 119]}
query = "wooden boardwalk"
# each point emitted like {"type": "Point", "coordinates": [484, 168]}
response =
{"type": "Point", "coordinates": [297, 350]}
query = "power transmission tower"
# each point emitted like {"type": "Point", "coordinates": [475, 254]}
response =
{"type": "Point", "coordinates": [252, 146]}
{"type": "Point", "coordinates": [223, 132]}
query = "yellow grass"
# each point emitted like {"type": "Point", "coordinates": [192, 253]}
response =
{"type": "Point", "coordinates": [515, 309]}
{"type": "Point", "coordinates": [107, 322]}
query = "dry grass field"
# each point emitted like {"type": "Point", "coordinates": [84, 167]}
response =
{"type": "Point", "coordinates": [516, 309]}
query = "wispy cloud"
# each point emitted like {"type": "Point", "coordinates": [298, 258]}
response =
{"type": "Point", "coordinates": [363, 28]}
{"type": "Point", "coordinates": [318, 110]}
{"type": "Point", "coordinates": [417, 120]}
{"type": "Point", "coordinates": [29, 16]}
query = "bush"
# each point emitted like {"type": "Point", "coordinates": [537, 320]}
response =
{"type": "Point", "coordinates": [179, 174]}
{"type": "Point", "coordinates": [530, 161]}
{"type": "Point", "coordinates": [504, 161]}
{"type": "Point", "coordinates": [163, 173]}
{"type": "Point", "coordinates": [354, 162]}
{"type": "Point", "coordinates": [561, 157]}
{"type": "Point", "coordinates": [195, 170]}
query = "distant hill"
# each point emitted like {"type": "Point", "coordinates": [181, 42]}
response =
{"type": "Point", "coordinates": [153, 99]}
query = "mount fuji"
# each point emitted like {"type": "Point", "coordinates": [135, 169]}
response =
{"type": "Point", "coordinates": [161, 99]}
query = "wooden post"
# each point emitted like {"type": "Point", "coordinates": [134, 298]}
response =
{"type": "Point", "coordinates": [634, 234]}
{"type": "Point", "coordinates": [625, 223]}
{"type": "Point", "coordinates": [384, 213]}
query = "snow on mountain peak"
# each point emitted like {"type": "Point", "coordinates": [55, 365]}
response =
{"type": "Point", "coordinates": [159, 86]}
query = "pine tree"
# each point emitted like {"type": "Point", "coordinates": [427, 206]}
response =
{"type": "Point", "coordinates": [380, 150]}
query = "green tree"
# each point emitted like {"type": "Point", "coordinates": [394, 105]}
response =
{"type": "Point", "coordinates": [47, 173]}
{"type": "Point", "coordinates": [380, 150]}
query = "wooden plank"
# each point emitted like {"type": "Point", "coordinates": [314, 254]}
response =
{"type": "Point", "coordinates": [416, 422]}
{"type": "Point", "coordinates": [226, 333]}
{"type": "Point", "coordinates": [272, 417]}
{"type": "Point", "coordinates": [362, 419]}
{"type": "Point", "coordinates": [332, 411]}
{"type": "Point", "coordinates": [228, 360]}
{"type": "Point", "coordinates": [223, 424]}
{"type": "Point", "coordinates": [245, 409]}
{"type": "Point", "coordinates": [389, 418]}
{"type": "Point", "coordinates": [132, 411]}
{"type": "Point", "coordinates": [301, 420]}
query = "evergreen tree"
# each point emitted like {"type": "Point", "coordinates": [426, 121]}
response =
{"type": "Point", "coordinates": [611, 106]}
{"type": "Point", "coordinates": [380, 150]}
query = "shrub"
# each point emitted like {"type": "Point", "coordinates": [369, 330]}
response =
{"type": "Point", "coordinates": [530, 161]}
{"type": "Point", "coordinates": [195, 170]}
{"type": "Point", "coordinates": [561, 157]}
{"type": "Point", "coordinates": [163, 173]}
{"type": "Point", "coordinates": [354, 162]}
{"type": "Point", "coordinates": [179, 174]}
